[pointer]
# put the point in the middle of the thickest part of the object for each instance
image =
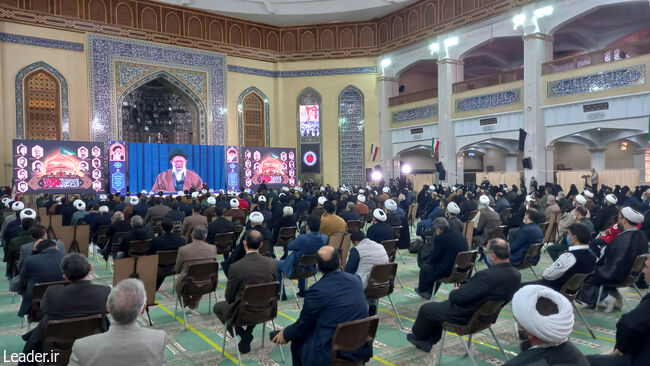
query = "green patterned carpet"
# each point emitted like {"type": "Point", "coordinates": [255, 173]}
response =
{"type": "Point", "coordinates": [201, 343]}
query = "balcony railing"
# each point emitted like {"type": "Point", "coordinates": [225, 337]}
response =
{"type": "Point", "coordinates": [611, 54]}
{"type": "Point", "coordinates": [413, 97]}
{"type": "Point", "coordinates": [489, 80]}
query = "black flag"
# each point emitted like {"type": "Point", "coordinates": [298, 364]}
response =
{"type": "Point", "coordinates": [522, 139]}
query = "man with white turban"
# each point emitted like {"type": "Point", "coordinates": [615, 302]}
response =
{"type": "Point", "coordinates": [570, 218]}
{"type": "Point", "coordinates": [632, 335]}
{"type": "Point", "coordinates": [606, 216]}
{"type": "Point", "coordinates": [616, 261]}
{"type": "Point", "coordinates": [544, 321]}
{"type": "Point", "coordinates": [485, 221]}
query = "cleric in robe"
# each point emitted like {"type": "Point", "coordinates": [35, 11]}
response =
{"type": "Point", "coordinates": [178, 178]}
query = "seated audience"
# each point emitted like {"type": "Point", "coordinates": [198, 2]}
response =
{"type": "Point", "coordinates": [580, 212]}
{"type": "Point", "coordinates": [287, 220]}
{"type": "Point", "coordinates": [42, 267]}
{"type": "Point", "coordinates": [437, 262]}
{"type": "Point", "coordinates": [331, 223]}
{"type": "Point", "coordinates": [252, 269]}
{"type": "Point", "coordinates": [349, 213]}
{"type": "Point", "coordinates": [616, 261]}
{"type": "Point", "coordinates": [551, 207]}
{"type": "Point", "coordinates": [486, 220]}
{"type": "Point", "coordinates": [307, 243]}
{"type": "Point", "coordinates": [361, 208]}
{"type": "Point", "coordinates": [256, 219]}
{"type": "Point", "coordinates": [103, 218]}
{"type": "Point", "coordinates": [175, 214]}
{"type": "Point", "coordinates": [193, 221]}
{"type": "Point", "coordinates": [544, 320]}
{"type": "Point", "coordinates": [81, 212]}
{"type": "Point", "coordinates": [219, 225]}
{"type": "Point", "coordinates": [499, 282]}
{"type": "Point", "coordinates": [454, 222]}
{"type": "Point", "coordinates": [336, 298]}
{"type": "Point", "coordinates": [364, 254]}
{"type": "Point", "coordinates": [632, 336]}
{"type": "Point", "coordinates": [77, 299]}
{"type": "Point", "coordinates": [156, 212]}
{"type": "Point", "coordinates": [528, 234]}
{"type": "Point", "coordinates": [125, 343]}
{"type": "Point", "coordinates": [501, 203]}
{"type": "Point", "coordinates": [137, 232]}
{"type": "Point", "coordinates": [195, 252]}
{"type": "Point", "coordinates": [571, 218]}
{"type": "Point", "coordinates": [27, 217]}
{"type": "Point", "coordinates": [380, 230]}
{"type": "Point", "coordinates": [578, 260]}
{"type": "Point", "coordinates": [168, 240]}
{"type": "Point", "coordinates": [37, 233]}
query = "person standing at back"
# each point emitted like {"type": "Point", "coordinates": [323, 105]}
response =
{"type": "Point", "coordinates": [125, 343]}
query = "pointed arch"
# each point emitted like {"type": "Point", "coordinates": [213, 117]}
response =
{"type": "Point", "coordinates": [266, 118]}
{"type": "Point", "coordinates": [60, 102]}
{"type": "Point", "coordinates": [351, 136]}
{"type": "Point", "coordinates": [200, 128]}
{"type": "Point", "coordinates": [307, 139]}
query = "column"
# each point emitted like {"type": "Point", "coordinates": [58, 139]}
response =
{"type": "Point", "coordinates": [550, 166]}
{"type": "Point", "coordinates": [598, 158]}
{"type": "Point", "coordinates": [460, 167]}
{"type": "Point", "coordinates": [449, 72]}
{"type": "Point", "coordinates": [538, 48]}
{"type": "Point", "coordinates": [511, 162]}
{"type": "Point", "coordinates": [639, 164]}
{"type": "Point", "coordinates": [388, 87]}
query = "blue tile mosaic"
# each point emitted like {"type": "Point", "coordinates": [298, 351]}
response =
{"type": "Point", "coordinates": [351, 137]}
{"type": "Point", "coordinates": [240, 114]}
{"type": "Point", "coordinates": [426, 111]}
{"type": "Point", "coordinates": [196, 80]}
{"type": "Point", "coordinates": [127, 73]}
{"type": "Point", "coordinates": [104, 50]}
{"type": "Point", "coordinates": [41, 42]}
{"type": "Point", "coordinates": [498, 99]}
{"type": "Point", "coordinates": [633, 75]}
{"type": "Point", "coordinates": [20, 122]}
{"type": "Point", "coordinates": [303, 73]}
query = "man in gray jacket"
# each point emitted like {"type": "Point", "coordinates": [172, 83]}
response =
{"type": "Point", "coordinates": [125, 343]}
{"type": "Point", "coordinates": [363, 256]}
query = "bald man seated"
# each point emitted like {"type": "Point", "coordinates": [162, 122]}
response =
{"type": "Point", "coordinates": [336, 298]}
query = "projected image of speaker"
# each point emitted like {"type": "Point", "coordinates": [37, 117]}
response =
{"type": "Point", "coordinates": [527, 163]}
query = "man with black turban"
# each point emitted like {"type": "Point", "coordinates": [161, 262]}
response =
{"type": "Point", "coordinates": [178, 178]}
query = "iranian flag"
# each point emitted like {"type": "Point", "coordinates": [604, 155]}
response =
{"type": "Point", "coordinates": [373, 152]}
{"type": "Point", "coordinates": [434, 147]}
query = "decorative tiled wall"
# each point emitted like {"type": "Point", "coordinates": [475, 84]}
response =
{"type": "Point", "coordinates": [413, 114]}
{"type": "Point", "coordinates": [498, 99]}
{"type": "Point", "coordinates": [633, 75]}
{"type": "Point", "coordinates": [103, 52]}
{"type": "Point", "coordinates": [240, 114]}
{"type": "Point", "coordinates": [351, 137]}
{"type": "Point", "coordinates": [303, 73]}
{"type": "Point", "coordinates": [20, 122]}
{"type": "Point", "coordinates": [41, 42]}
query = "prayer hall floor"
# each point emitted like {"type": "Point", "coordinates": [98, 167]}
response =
{"type": "Point", "coordinates": [201, 343]}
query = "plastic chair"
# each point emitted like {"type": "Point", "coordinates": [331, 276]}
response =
{"type": "Point", "coordinates": [36, 310]}
{"type": "Point", "coordinates": [258, 305]}
{"type": "Point", "coordinates": [570, 290]}
{"type": "Point", "coordinates": [59, 335]}
{"type": "Point", "coordinates": [239, 227]}
{"type": "Point", "coordinates": [463, 267]}
{"type": "Point", "coordinates": [630, 280]}
{"type": "Point", "coordinates": [303, 271]}
{"type": "Point", "coordinates": [352, 335]}
{"type": "Point", "coordinates": [483, 318]}
{"type": "Point", "coordinates": [381, 283]}
{"type": "Point", "coordinates": [139, 247]}
{"type": "Point", "coordinates": [353, 225]}
{"type": "Point", "coordinates": [167, 259]}
{"type": "Point", "coordinates": [391, 250]}
{"type": "Point", "coordinates": [285, 235]}
{"type": "Point", "coordinates": [468, 231]}
{"type": "Point", "coordinates": [102, 239]}
{"type": "Point", "coordinates": [224, 242]}
{"type": "Point", "coordinates": [398, 231]}
{"type": "Point", "coordinates": [267, 248]}
{"type": "Point", "coordinates": [534, 250]}
{"type": "Point", "coordinates": [115, 246]}
{"type": "Point", "coordinates": [336, 240]}
{"type": "Point", "coordinates": [202, 278]}
{"type": "Point", "coordinates": [498, 232]}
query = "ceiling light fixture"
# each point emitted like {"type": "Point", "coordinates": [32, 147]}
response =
{"type": "Point", "coordinates": [518, 20]}
{"type": "Point", "coordinates": [434, 48]}
{"type": "Point", "coordinates": [542, 12]}
{"type": "Point", "coordinates": [453, 41]}
{"type": "Point", "coordinates": [386, 62]}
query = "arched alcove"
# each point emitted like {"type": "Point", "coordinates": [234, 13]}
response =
{"type": "Point", "coordinates": [351, 137]}
{"type": "Point", "coordinates": [249, 111]}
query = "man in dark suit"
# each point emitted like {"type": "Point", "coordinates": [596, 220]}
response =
{"type": "Point", "coordinates": [336, 298]}
{"type": "Point", "coordinates": [38, 268]}
{"type": "Point", "coordinates": [499, 282]}
{"type": "Point", "coordinates": [307, 243]}
{"type": "Point", "coordinates": [103, 218]}
{"type": "Point", "coordinates": [380, 230]}
{"type": "Point", "coordinates": [168, 240]}
{"type": "Point", "coordinates": [446, 245]}
{"type": "Point", "coordinates": [255, 219]}
{"type": "Point", "coordinates": [528, 234]}
{"type": "Point", "coordinates": [138, 232]}
{"type": "Point", "coordinates": [77, 299]}
{"type": "Point", "coordinates": [118, 225]}
{"type": "Point", "coordinates": [220, 225]}
{"type": "Point", "coordinates": [250, 270]}
{"type": "Point", "coordinates": [175, 214]}
{"type": "Point", "coordinates": [156, 212]}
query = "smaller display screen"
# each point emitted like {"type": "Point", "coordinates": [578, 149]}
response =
{"type": "Point", "coordinates": [310, 158]}
{"type": "Point", "coordinates": [309, 120]}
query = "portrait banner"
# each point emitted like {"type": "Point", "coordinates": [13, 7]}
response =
{"type": "Point", "coordinates": [117, 166]}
